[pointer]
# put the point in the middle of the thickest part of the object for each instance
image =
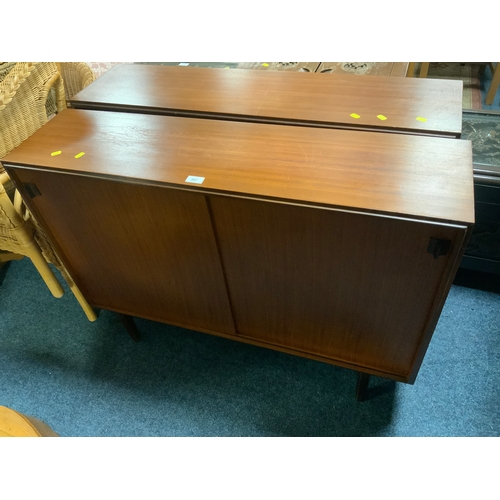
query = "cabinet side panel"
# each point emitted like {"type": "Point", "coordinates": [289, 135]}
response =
{"type": "Point", "coordinates": [147, 251]}
{"type": "Point", "coordinates": [354, 288]}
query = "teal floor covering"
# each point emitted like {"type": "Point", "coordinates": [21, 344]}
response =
{"type": "Point", "coordinates": [91, 379]}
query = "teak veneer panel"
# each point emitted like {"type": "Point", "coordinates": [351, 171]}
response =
{"type": "Point", "coordinates": [137, 249]}
{"type": "Point", "coordinates": [423, 177]}
{"type": "Point", "coordinates": [313, 99]}
{"type": "Point", "coordinates": [355, 288]}
{"type": "Point", "coordinates": [312, 241]}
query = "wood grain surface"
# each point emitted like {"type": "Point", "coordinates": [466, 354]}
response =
{"type": "Point", "coordinates": [312, 241]}
{"type": "Point", "coordinates": [325, 100]}
{"type": "Point", "coordinates": [351, 287]}
{"type": "Point", "coordinates": [143, 250]}
{"type": "Point", "coordinates": [423, 177]}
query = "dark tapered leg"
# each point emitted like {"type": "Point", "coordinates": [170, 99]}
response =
{"type": "Point", "coordinates": [363, 379]}
{"type": "Point", "coordinates": [128, 323]}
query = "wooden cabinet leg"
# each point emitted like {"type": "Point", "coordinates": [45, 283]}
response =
{"type": "Point", "coordinates": [128, 323]}
{"type": "Point", "coordinates": [363, 379]}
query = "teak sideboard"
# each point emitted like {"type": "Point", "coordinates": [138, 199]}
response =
{"type": "Point", "coordinates": [335, 245]}
{"type": "Point", "coordinates": [367, 102]}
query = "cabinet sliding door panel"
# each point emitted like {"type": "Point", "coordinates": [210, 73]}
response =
{"type": "Point", "coordinates": [147, 251]}
{"type": "Point", "coordinates": [351, 287]}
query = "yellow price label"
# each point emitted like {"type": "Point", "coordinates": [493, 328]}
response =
{"type": "Point", "coordinates": [382, 117]}
{"type": "Point", "coordinates": [79, 155]}
{"type": "Point", "coordinates": [55, 153]}
{"type": "Point", "coordinates": [354, 115]}
{"type": "Point", "coordinates": [421, 119]}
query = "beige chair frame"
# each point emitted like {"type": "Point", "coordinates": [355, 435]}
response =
{"type": "Point", "coordinates": [23, 99]}
{"type": "Point", "coordinates": [495, 82]}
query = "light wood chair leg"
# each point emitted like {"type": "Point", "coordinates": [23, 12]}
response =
{"type": "Point", "coordinates": [411, 70]}
{"type": "Point", "coordinates": [35, 255]}
{"type": "Point", "coordinates": [424, 70]}
{"type": "Point", "coordinates": [490, 96]}
{"type": "Point", "coordinates": [89, 312]}
{"type": "Point", "coordinates": [87, 309]}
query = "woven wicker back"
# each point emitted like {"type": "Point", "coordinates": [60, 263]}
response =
{"type": "Point", "coordinates": [76, 76]}
{"type": "Point", "coordinates": [23, 97]}
{"type": "Point", "coordinates": [5, 69]}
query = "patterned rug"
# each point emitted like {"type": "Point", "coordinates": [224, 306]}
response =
{"type": "Point", "coordinates": [468, 73]}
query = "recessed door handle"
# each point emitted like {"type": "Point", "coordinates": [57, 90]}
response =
{"type": "Point", "coordinates": [438, 247]}
{"type": "Point", "coordinates": [31, 189]}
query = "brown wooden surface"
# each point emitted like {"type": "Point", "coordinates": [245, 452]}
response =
{"type": "Point", "coordinates": [142, 250]}
{"type": "Point", "coordinates": [442, 293]}
{"type": "Point", "coordinates": [348, 280]}
{"type": "Point", "coordinates": [308, 67]}
{"type": "Point", "coordinates": [355, 288]}
{"type": "Point", "coordinates": [424, 177]}
{"type": "Point", "coordinates": [365, 68]}
{"type": "Point", "coordinates": [286, 96]}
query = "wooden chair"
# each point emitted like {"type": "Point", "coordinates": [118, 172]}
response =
{"type": "Point", "coordinates": [23, 99]}
{"type": "Point", "coordinates": [424, 70]}
{"type": "Point", "coordinates": [76, 76]}
{"type": "Point", "coordinates": [495, 82]}
{"type": "Point", "coordinates": [23, 96]}
{"type": "Point", "coordinates": [15, 424]}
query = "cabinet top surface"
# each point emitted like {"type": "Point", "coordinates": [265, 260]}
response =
{"type": "Point", "coordinates": [419, 105]}
{"type": "Point", "coordinates": [402, 175]}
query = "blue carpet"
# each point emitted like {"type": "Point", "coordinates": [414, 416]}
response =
{"type": "Point", "coordinates": [91, 379]}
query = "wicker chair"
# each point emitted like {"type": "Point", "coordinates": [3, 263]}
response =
{"type": "Point", "coordinates": [24, 92]}
{"type": "Point", "coordinates": [76, 76]}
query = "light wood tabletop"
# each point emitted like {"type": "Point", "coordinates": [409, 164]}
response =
{"type": "Point", "coordinates": [339, 100]}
